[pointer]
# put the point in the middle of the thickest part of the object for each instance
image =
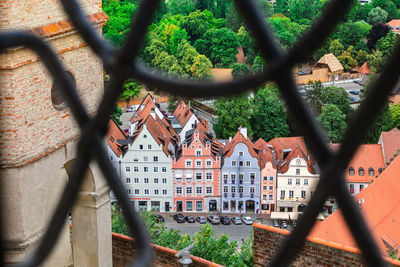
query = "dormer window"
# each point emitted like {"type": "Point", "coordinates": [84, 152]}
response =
{"type": "Point", "coordinates": [241, 153]}
{"type": "Point", "coordinates": [361, 171]}
{"type": "Point", "coordinates": [371, 172]}
{"type": "Point", "coordinates": [351, 171]}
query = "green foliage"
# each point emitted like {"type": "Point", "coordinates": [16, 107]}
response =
{"type": "Point", "coordinates": [281, 7]}
{"type": "Point", "coordinates": [248, 44]}
{"type": "Point", "coordinates": [383, 123]}
{"type": "Point", "coordinates": [347, 60]}
{"type": "Point", "coordinates": [378, 31]}
{"type": "Point", "coordinates": [201, 67]}
{"type": "Point", "coordinates": [170, 34]}
{"type": "Point", "coordinates": [131, 88]}
{"type": "Point", "coordinates": [120, 13]}
{"type": "Point", "coordinates": [258, 64]}
{"type": "Point", "coordinates": [268, 119]}
{"type": "Point", "coordinates": [386, 44]}
{"type": "Point", "coordinates": [336, 48]}
{"type": "Point", "coordinates": [300, 10]}
{"type": "Point", "coordinates": [286, 30]}
{"type": "Point", "coordinates": [183, 7]}
{"type": "Point", "coordinates": [392, 11]}
{"type": "Point", "coordinates": [395, 110]}
{"type": "Point", "coordinates": [118, 224]}
{"type": "Point", "coordinates": [232, 112]}
{"type": "Point", "coordinates": [379, 3]}
{"type": "Point", "coordinates": [351, 32]}
{"type": "Point", "coordinates": [337, 96]}
{"type": "Point", "coordinates": [375, 60]}
{"type": "Point", "coordinates": [233, 19]}
{"type": "Point", "coordinates": [361, 57]}
{"type": "Point", "coordinates": [393, 254]}
{"type": "Point", "coordinates": [240, 70]}
{"type": "Point", "coordinates": [314, 95]}
{"type": "Point", "coordinates": [117, 114]}
{"type": "Point", "coordinates": [333, 122]}
{"type": "Point", "coordinates": [197, 23]}
{"type": "Point", "coordinates": [377, 15]}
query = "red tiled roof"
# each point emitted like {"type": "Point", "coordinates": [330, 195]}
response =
{"type": "Point", "coordinates": [239, 138]}
{"type": "Point", "coordinates": [364, 69]}
{"type": "Point", "coordinates": [144, 109]}
{"type": "Point", "coordinates": [367, 156]}
{"type": "Point", "coordinates": [390, 142]}
{"type": "Point", "coordinates": [297, 151]}
{"type": "Point", "coordinates": [380, 205]}
{"type": "Point", "coordinates": [182, 113]}
{"type": "Point", "coordinates": [393, 24]}
{"type": "Point", "coordinates": [113, 135]}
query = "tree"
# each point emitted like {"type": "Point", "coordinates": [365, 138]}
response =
{"type": "Point", "coordinates": [347, 60]}
{"type": "Point", "coordinates": [377, 31]}
{"type": "Point", "coordinates": [240, 70]}
{"type": "Point", "coordinates": [281, 7]}
{"type": "Point", "coordinates": [375, 60]}
{"type": "Point", "coordinates": [395, 110]}
{"type": "Point", "coordinates": [336, 48]}
{"type": "Point", "coordinates": [232, 112]}
{"type": "Point", "coordinates": [201, 67]}
{"type": "Point", "coordinates": [383, 123]}
{"type": "Point", "coordinates": [131, 88]}
{"type": "Point", "coordinates": [391, 10]}
{"type": "Point", "coordinates": [154, 48]}
{"type": "Point", "coordinates": [183, 7]}
{"type": "Point", "coordinates": [314, 95]}
{"type": "Point", "coordinates": [117, 114]}
{"type": "Point", "coordinates": [246, 41]}
{"type": "Point", "coordinates": [333, 122]}
{"type": "Point", "coordinates": [386, 44]}
{"type": "Point", "coordinates": [259, 64]}
{"type": "Point", "coordinates": [377, 15]}
{"type": "Point", "coordinates": [197, 23]}
{"type": "Point", "coordinates": [170, 34]}
{"type": "Point", "coordinates": [379, 3]}
{"type": "Point", "coordinates": [350, 33]}
{"type": "Point", "coordinates": [269, 115]}
{"type": "Point", "coordinates": [361, 57]}
{"type": "Point", "coordinates": [286, 30]}
{"type": "Point", "coordinates": [233, 19]}
{"type": "Point", "coordinates": [186, 54]}
{"type": "Point", "coordinates": [339, 97]}
{"type": "Point", "coordinates": [364, 11]}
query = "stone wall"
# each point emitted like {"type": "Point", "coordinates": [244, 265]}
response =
{"type": "Point", "coordinates": [316, 252]}
{"type": "Point", "coordinates": [124, 249]}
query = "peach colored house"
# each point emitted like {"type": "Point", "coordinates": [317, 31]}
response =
{"type": "Point", "coordinates": [196, 173]}
{"type": "Point", "coordinates": [394, 25]}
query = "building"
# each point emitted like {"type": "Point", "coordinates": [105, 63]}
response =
{"type": "Point", "coordinates": [390, 143]}
{"type": "Point", "coordinates": [196, 172]}
{"type": "Point", "coordinates": [116, 148]}
{"type": "Point", "coordinates": [186, 119]}
{"type": "Point", "coordinates": [394, 25]}
{"type": "Point", "coordinates": [240, 183]}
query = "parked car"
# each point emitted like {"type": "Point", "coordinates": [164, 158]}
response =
{"type": "Point", "coordinates": [213, 219]}
{"type": "Point", "coordinates": [247, 220]}
{"type": "Point", "coordinates": [354, 92]}
{"type": "Point", "coordinates": [189, 219]}
{"type": "Point", "coordinates": [352, 99]}
{"type": "Point", "coordinates": [302, 72]}
{"type": "Point", "coordinates": [284, 224]}
{"type": "Point", "coordinates": [225, 220]}
{"type": "Point", "coordinates": [275, 223]}
{"type": "Point", "coordinates": [179, 218]}
{"type": "Point", "coordinates": [236, 220]}
{"type": "Point", "coordinates": [201, 219]}
{"type": "Point", "coordinates": [159, 218]}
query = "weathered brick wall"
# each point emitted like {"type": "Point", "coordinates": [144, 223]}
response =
{"type": "Point", "coordinates": [268, 239]}
{"type": "Point", "coordinates": [124, 249]}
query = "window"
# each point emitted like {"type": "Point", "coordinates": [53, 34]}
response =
{"type": "Point", "coordinates": [351, 171]}
{"type": "Point", "coordinates": [155, 169]}
{"type": "Point", "coordinates": [189, 190]}
{"type": "Point", "coordinates": [248, 163]}
{"type": "Point", "coordinates": [361, 187]}
{"type": "Point", "coordinates": [240, 189]}
{"type": "Point", "coordinates": [140, 147]}
{"type": "Point", "coordinates": [136, 180]}
{"type": "Point", "coordinates": [199, 190]}
{"type": "Point", "coordinates": [305, 181]}
{"type": "Point", "coordinates": [179, 190]}
{"type": "Point", "coordinates": [136, 169]}
{"type": "Point", "coordinates": [297, 181]}
{"type": "Point", "coordinates": [233, 162]}
{"type": "Point", "coordinates": [155, 159]}
{"type": "Point", "coordinates": [178, 177]}
{"type": "Point", "coordinates": [282, 209]}
{"type": "Point", "coordinates": [164, 180]}
{"type": "Point", "coordinates": [303, 194]}
{"type": "Point", "coordinates": [241, 153]}
{"type": "Point", "coordinates": [271, 188]}
{"type": "Point", "coordinates": [128, 191]}
{"type": "Point", "coordinates": [264, 196]}
{"type": "Point", "coordinates": [145, 158]}
{"type": "Point", "coordinates": [199, 206]}
{"type": "Point", "coordinates": [127, 169]}
{"type": "Point", "coordinates": [209, 190]}
{"type": "Point", "coordinates": [361, 171]}
{"type": "Point", "coordinates": [146, 180]}
{"type": "Point", "coordinates": [352, 188]}
{"type": "Point", "coordinates": [148, 146]}
{"type": "Point", "coordinates": [128, 180]}
{"type": "Point", "coordinates": [164, 169]}
{"type": "Point", "coordinates": [233, 189]}
{"type": "Point", "coordinates": [271, 178]}
{"type": "Point", "coordinates": [165, 192]}
{"type": "Point", "coordinates": [291, 193]}
{"type": "Point", "coordinates": [156, 180]}
{"type": "Point", "coordinates": [146, 169]}
{"type": "Point", "coordinates": [289, 181]}
{"type": "Point", "coordinates": [282, 194]}
{"type": "Point", "coordinates": [136, 191]}
{"type": "Point", "coordinates": [189, 205]}
{"type": "Point", "coordinates": [297, 171]}
{"type": "Point", "coordinates": [188, 163]}
{"type": "Point", "coordinates": [371, 172]}
{"type": "Point", "coordinates": [233, 176]}
{"type": "Point", "coordinates": [289, 209]}
{"type": "Point", "coordinates": [380, 170]}
{"type": "Point", "coordinates": [198, 163]}
{"type": "Point", "coordinates": [225, 175]}
{"type": "Point", "coordinates": [146, 191]}
{"type": "Point", "coordinates": [209, 175]}
{"type": "Point", "coordinates": [208, 163]}
{"type": "Point", "coordinates": [265, 187]}
{"type": "Point", "coordinates": [252, 176]}
{"type": "Point", "coordinates": [271, 197]}
{"type": "Point", "coordinates": [226, 205]}
{"type": "Point", "coordinates": [225, 189]}
{"type": "Point", "coordinates": [136, 158]}
{"type": "Point", "coordinates": [199, 176]}
{"type": "Point", "coordinates": [265, 178]}
{"type": "Point", "coordinates": [241, 163]}
{"type": "Point", "coordinates": [251, 190]}
{"type": "Point", "coordinates": [156, 191]}
{"type": "Point", "coordinates": [241, 176]}
{"type": "Point", "coordinates": [198, 152]}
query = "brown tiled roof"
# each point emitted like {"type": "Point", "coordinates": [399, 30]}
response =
{"type": "Point", "coordinates": [239, 138]}
{"type": "Point", "coordinates": [390, 142]}
{"type": "Point", "coordinates": [364, 69]}
{"type": "Point", "coordinates": [367, 156]}
{"type": "Point", "coordinates": [143, 109]}
{"type": "Point", "coordinates": [380, 205]}
{"type": "Point", "coordinates": [182, 113]}
{"type": "Point", "coordinates": [113, 135]}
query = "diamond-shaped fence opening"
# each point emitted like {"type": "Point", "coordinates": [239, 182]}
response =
{"type": "Point", "coordinates": [122, 64]}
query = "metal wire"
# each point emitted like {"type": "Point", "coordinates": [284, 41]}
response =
{"type": "Point", "coordinates": [122, 64]}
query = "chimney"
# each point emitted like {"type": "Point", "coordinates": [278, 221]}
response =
{"type": "Point", "coordinates": [230, 139]}
{"type": "Point", "coordinates": [152, 113]}
{"type": "Point", "coordinates": [243, 131]}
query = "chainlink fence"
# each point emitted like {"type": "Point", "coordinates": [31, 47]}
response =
{"type": "Point", "coordinates": [122, 64]}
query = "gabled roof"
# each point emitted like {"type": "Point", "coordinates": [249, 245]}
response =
{"type": "Point", "coordinates": [367, 156]}
{"type": "Point", "coordinates": [239, 138]}
{"type": "Point", "coordinates": [182, 113]}
{"type": "Point", "coordinates": [266, 152]}
{"type": "Point", "coordinates": [114, 134]}
{"type": "Point", "coordinates": [261, 144]}
{"type": "Point", "coordinates": [281, 144]}
{"type": "Point", "coordinates": [332, 62]}
{"type": "Point", "coordinates": [364, 69]}
{"type": "Point", "coordinates": [297, 151]}
{"type": "Point", "coordinates": [390, 142]}
{"type": "Point", "coordinates": [380, 205]}
{"type": "Point", "coordinates": [144, 109]}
